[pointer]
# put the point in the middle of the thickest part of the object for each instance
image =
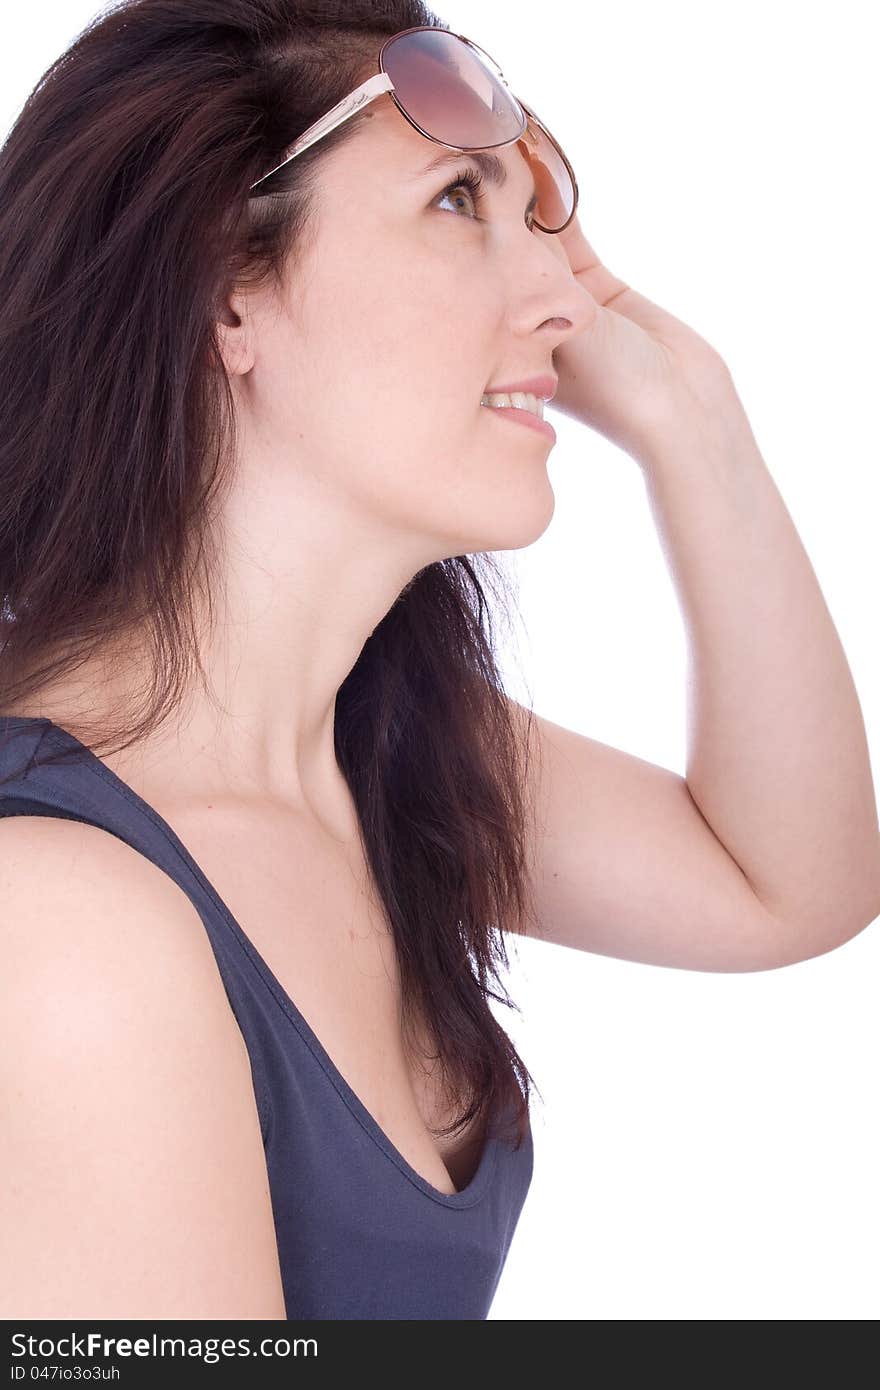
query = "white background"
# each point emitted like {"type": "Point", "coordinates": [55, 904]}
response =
{"type": "Point", "coordinates": [707, 1145]}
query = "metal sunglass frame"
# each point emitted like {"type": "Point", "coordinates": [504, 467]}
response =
{"type": "Point", "coordinates": [380, 83]}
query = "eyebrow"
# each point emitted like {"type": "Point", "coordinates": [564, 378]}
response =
{"type": "Point", "coordinates": [491, 167]}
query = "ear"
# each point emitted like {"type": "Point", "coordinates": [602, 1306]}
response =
{"type": "Point", "coordinates": [235, 333]}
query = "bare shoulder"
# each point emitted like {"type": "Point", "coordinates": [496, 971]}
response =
{"type": "Point", "coordinates": [134, 1176]}
{"type": "Point", "coordinates": [79, 899]}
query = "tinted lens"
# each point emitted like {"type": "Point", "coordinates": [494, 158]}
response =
{"type": "Point", "coordinates": [454, 93]}
{"type": "Point", "coordinates": [449, 91]}
{"type": "Point", "coordinates": [554, 183]}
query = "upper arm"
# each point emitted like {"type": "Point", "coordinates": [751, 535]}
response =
{"type": "Point", "coordinates": [623, 863]}
{"type": "Point", "coordinates": [134, 1177]}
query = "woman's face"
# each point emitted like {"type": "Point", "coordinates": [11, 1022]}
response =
{"type": "Point", "coordinates": [401, 312]}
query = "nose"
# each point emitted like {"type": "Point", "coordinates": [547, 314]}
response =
{"type": "Point", "coordinates": [568, 306]}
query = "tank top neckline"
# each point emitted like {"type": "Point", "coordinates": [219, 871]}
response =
{"type": "Point", "coordinates": [479, 1183]}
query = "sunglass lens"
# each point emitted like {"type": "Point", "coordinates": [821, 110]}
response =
{"type": "Point", "coordinates": [450, 92]}
{"type": "Point", "coordinates": [554, 182]}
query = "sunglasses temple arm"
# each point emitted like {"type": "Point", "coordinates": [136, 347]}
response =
{"type": "Point", "coordinates": [362, 96]}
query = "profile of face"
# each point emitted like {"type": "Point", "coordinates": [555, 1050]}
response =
{"type": "Point", "coordinates": [360, 386]}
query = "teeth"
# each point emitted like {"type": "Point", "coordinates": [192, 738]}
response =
{"type": "Point", "coordinates": [522, 400]}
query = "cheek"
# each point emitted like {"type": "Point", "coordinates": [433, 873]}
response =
{"type": "Point", "coordinates": [417, 325]}
{"type": "Point", "coordinates": [382, 380]}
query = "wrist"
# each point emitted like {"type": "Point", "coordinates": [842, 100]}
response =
{"type": "Point", "coordinates": [715, 431]}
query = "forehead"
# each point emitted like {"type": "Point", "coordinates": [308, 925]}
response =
{"type": "Point", "coordinates": [397, 148]}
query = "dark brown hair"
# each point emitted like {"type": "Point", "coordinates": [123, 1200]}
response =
{"type": "Point", "coordinates": [125, 217]}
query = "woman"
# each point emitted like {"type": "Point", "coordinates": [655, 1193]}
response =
{"type": "Point", "coordinates": [255, 451]}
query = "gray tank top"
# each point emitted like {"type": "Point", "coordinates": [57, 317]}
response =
{"type": "Point", "coordinates": [361, 1235]}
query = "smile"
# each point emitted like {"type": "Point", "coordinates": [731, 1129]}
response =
{"type": "Point", "coordinates": [520, 400]}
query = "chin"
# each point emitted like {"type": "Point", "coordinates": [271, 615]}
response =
{"type": "Point", "coordinates": [524, 519]}
{"type": "Point", "coordinates": [527, 535]}
{"type": "Point", "coordinates": [517, 520]}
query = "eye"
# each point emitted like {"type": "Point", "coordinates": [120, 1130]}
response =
{"type": "Point", "coordinates": [472, 180]}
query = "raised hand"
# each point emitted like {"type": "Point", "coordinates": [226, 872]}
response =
{"type": "Point", "coordinates": [638, 375]}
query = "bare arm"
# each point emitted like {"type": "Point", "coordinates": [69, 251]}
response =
{"type": "Point", "coordinates": [134, 1180]}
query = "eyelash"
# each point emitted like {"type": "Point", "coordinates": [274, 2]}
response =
{"type": "Point", "coordinates": [473, 181]}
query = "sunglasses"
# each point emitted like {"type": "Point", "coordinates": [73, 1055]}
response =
{"type": "Point", "coordinates": [453, 93]}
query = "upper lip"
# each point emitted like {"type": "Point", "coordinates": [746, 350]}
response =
{"type": "Point", "coordinates": [544, 387]}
